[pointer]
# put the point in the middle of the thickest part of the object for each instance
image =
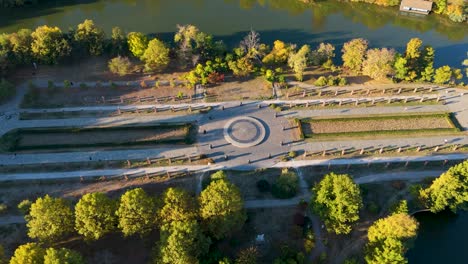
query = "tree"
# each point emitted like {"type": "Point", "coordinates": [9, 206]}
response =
{"type": "Point", "coordinates": [337, 200]}
{"type": "Point", "coordinates": [48, 44]}
{"type": "Point", "coordinates": [30, 253]}
{"type": "Point", "coordinates": [221, 208]}
{"type": "Point", "coordinates": [118, 41]}
{"type": "Point", "coordinates": [21, 45]}
{"type": "Point", "coordinates": [465, 63]}
{"type": "Point", "coordinates": [279, 54]}
{"type": "Point", "coordinates": [136, 212]}
{"type": "Point", "coordinates": [95, 216]}
{"type": "Point", "coordinates": [325, 52]}
{"type": "Point", "coordinates": [456, 13]}
{"type": "Point", "coordinates": [413, 49]}
{"type": "Point", "coordinates": [443, 75]}
{"type": "Point", "coordinates": [297, 61]}
{"type": "Point", "coordinates": [401, 68]}
{"type": "Point", "coordinates": [251, 43]}
{"type": "Point", "coordinates": [24, 206]}
{"type": "Point", "coordinates": [286, 185]}
{"type": "Point", "coordinates": [90, 37]}
{"type": "Point", "coordinates": [49, 219]}
{"type": "Point", "coordinates": [156, 56]}
{"type": "Point", "coordinates": [400, 208]}
{"type": "Point", "coordinates": [181, 242]}
{"type": "Point", "coordinates": [378, 64]}
{"type": "Point", "coordinates": [178, 205]}
{"type": "Point", "coordinates": [440, 6]}
{"type": "Point", "coordinates": [62, 256]}
{"type": "Point", "coordinates": [247, 256]}
{"type": "Point", "coordinates": [137, 43]}
{"type": "Point", "coordinates": [353, 54]}
{"type": "Point", "coordinates": [427, 64]}
{"type": "Point", "coordinates": [241, 67]}
{"type": "Point", "coordinates": [387, 238]}
{"type": "Point", "coordinates": [389, 250]}
{"type": "Point", "coordinates": [120, 65]}
{"type": "Point", "coordinates": [449, 190]}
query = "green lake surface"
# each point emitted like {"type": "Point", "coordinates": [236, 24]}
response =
{"type": "Point", "coordinates": [288, 20]}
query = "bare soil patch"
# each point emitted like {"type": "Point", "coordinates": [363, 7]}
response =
{"type": "Point", "coordinates": [240, 89]}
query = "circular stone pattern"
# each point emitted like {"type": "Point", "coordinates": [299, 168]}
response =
{"type": "Point", "coordinates": [244, 132]}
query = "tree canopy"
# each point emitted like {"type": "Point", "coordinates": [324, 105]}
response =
{"type": "Point", "coordinates": [178, 205]}
{"type": "Point", "coordinates": [337, 200]}
{"type": "Point", "coordinates": [136, 213]}
{"type": "Point", "coordinates": [388, 238]}
{"type": "Point", "coordinates": [297, 61]}
{"type": "Point", "coordinates": [181, 242]}
{"type": "Point", "coordinates": [450, 190]}
{"type": "Point", "coordinates": [156, 56]}
{"type": "Point", "coordinates": [137, 43]}
{"type": "Point", "coordinates": [49, 45]}
{"type": "Point", "coordinates": [95, 216]}
{"type": "Point", "coordinates": [354, 52]}
{"type": "Point", "coordinates": [50, 219]}
{"type": "Point", "coordinates": [378, 63]}
{"type": "Point", "coordinates": [30, 253]}
{"type": "Point", "coordinates": [221, 208]}
{"type": "Point", "coordinates": [90, 37]}
{"type": "Point", "coordinates": [62, 256]}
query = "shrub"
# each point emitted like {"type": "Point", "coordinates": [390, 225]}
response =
{"type": "Point", "coordinates": [83, 86]}
{"type": "Point", "coordinates": [292, 154]}
{"type": "Point", "coordinates": [321, 81]}
{"type": "Point", "coordinates": [263, 185]}
{"type": "Point", "coordinates": [24, 206]}
{"type": "Point", "coordinates": [66, 84]}
{"type": "Point", "coordinates": [285, 186]}
{"type": "Point", "coordinates": [3, 208]}
{"type": "Point", "coordinates": [120, 65]}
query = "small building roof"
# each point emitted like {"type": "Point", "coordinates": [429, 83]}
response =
{"type": "Point", "coordinates": [421, 4]}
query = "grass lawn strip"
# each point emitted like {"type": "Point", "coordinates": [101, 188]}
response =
{"type": "Point", "coordinates": [53, 138]}
{"type": "Point", "coordinates": [368, 126]}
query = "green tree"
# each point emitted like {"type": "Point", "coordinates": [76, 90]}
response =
{"type": "Point", "coordinates": [325, 52]}
{"type": "Point", "coordinates": [440, 6]}
{"type": "Point", "coordinates": [286, 185]}
{"type": "Point", "coordinates": [21, 45]}
{"type": "Point", "coordinates": [337, 200]}
{"type": "Point", "coordinates": [120, 65]}
{"type": "Point", "coordinates": [118, 42]}
{"type": "Point", "coordinates": [30, 253]}
{"type": "Point", "coordinates": [401, 68]}
{"type": "Point", "coordinates": [241, 67]}
{"type": "Point", "coordinates": [297, 61]}
{"type": "Point", "coordinates": [449, 190]}
{"type": "Point", "coordinates": [443, 75]}
{"type": "Point", "coordinates": [62, 256]}
{"type": "Point", "coordinates": [389, 250]}
{"type": "Point", "coordinates": [354, 52]}
{"type": "Point", "coordinates": [95, 216]}
{"type": "Point", "coordinates": [178, 205]}
{"type": "Point", "coordinates": [427, 64]}
{"type": "Point", "coordinates": [279, 54]}
{"type": "Point", "coordinates": [221, 208]}
{"type": "Point", "coordinates": [378, 64]}
{"type": "Point", "coordinates": [137, 43]}
{"type": "Point", "coordinates": [181, 242]}
{"type": "Point", "coordinates": [89, 37]}
{"type": "Point", "coordinates": [137, 212]}
{"type": "Point", "coordinates": [49, 45]}
{"type": "Point", "coordinates": [401, 207]}
{"type": "Point", "coordinates": [413, 48]}
{"type": "Point", "coordinates": [24, 206]}
{"type": "Point", "coordinates": [50, 219]}
{"type": "Point", "coordinates": [156, 56]}
{"type": "Point", "coordinates": [387, 238]}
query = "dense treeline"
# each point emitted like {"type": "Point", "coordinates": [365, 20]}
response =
{"type": "Point", "coordinates": [208, 59]}
{"type": "Point", "coordinates": [188, 226]}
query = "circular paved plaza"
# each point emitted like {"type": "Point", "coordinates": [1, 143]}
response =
{"type": "Point", "coordinates": [244, 132]}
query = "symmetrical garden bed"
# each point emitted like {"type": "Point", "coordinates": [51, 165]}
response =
{"type": "Point", "coordinates": [378, 125]}
{"type": "Point", "coordinates": [63, 138]}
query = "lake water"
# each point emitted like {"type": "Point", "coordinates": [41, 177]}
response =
{"type": "Point", "coordinates": [442, 238]}
{"type": "Point", "coordinates": [288, 20]}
